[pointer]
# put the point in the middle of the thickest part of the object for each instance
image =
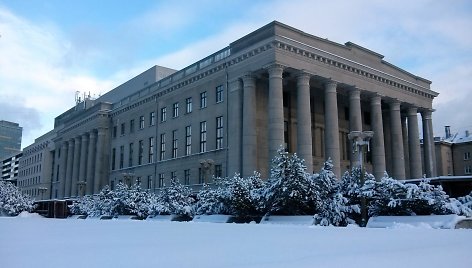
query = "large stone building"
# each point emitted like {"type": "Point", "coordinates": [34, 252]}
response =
{"type": "Point", "coordinates": [10, 139]}
{"type": "Point", "coordinates": [231, 111]}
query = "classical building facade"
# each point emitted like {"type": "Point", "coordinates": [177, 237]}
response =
{"type": "Point", "coordinates": [231, 111]}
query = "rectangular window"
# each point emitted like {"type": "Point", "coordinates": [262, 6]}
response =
{"type": "Point", "coordinates": [201, 176]}
{"type": "Point", "coordinates": [187, 176]}
{"type": "Point", "coordinates": [163, 114]}
{"type": "Point", "coordinates": [175, 109]}
{"type": "Point", "coordinates": [122, 129]}
{"type": "Point", "coordinates": [138, 181]}
{"type": "Point", "coordinates": [219, 132]}
{"type": "Point", "coordinates": [151, 150]}
{"type": "Point", "coordinates": [188, 140]}
{"type": "Point", "coordinates": [203, 100]}
{"type": "Point", "coordinates": [161, 180]}
{"type": "Point", "coordinates": [219, 94]}
{"type": "Point", "coordinates": [188, 105]}
{"type": "Point", "coordinates": [140, 152]}
{"type": "Point", "coordinates": [163, 147]}
{"type": "Point", "coordinates": [149, 181]}
{"type": "Point", "coordinates": [122, 155]}
{"type": "Point", "coordinates": [203, 136]}
{"type": "Point", "coordinates": [467, 156]}
{"type": "Point", "coordinates": [152, 119]}
{"type": "Point", "coordinates": [173, 175]}
{"type": "Point", "coordinates": [218, 171]}
{"type": "Point", "coordinates": [130, 156]}
{"type": "Point", "coordinates": [174, 144]}
{"type": "Point", "coordinates": [113, 155]}
{"type": "Point", "coordinates": [468, 170]}
{"type": "Point", "coordinates": [114, 131]}
{"type": "Point", "coordinates": [131, 126]}
{"type": "Point", "coordinates": [141, 122]}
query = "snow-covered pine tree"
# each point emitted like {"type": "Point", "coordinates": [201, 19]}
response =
{"type": "Point", "coordinates": [332, 207]}
{"type": "Point", "coordinates": [211, 201]}
{"type": "Point", "coordinates": [176, 200]}
{"type": "Point", "coordinates": [244, 195]}
{"type": "Point", "coordinates": [12, 201]}
{"type": "Point", "coordinates": [289, 189]}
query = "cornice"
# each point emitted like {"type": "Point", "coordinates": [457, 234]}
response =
{"type": "Point", "coordinates": [354, 68]}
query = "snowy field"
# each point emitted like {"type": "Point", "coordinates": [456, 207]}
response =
{"type": "Point", "coordinates": [38, 242]}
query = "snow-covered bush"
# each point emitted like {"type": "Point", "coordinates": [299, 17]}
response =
{"type": "Point", "coordinates": [176, 200]}
{"type": "Point", "coordinates": [332, 207]}
{"type": "Point", "coordinates": [390, 197]}
{"type": "Point", "coordinates": [244, 195]}
{"type": "Point", "coordinates": [290, 190]}
{"type": "Point", "coordinates": [12, 201]}
{"type": "Point", "coordinates": [212, 201]}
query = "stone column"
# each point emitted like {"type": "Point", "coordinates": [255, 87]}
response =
{"type": "Point", "coordinates": [332, 127]}
{"type": "Point", "coordinates": [355, 121]}
{"type": "Point", "coordinates": [99, 174]}
{"type": "Point", "coordinates": [91, 163]}
{"type": "Point", "coordinates": [62, 169]}
{"type": "Point", "coordinates": [83, 161]}
{"type": "Point", "coordinates": [249, 158]}
{"type": "Point", "coordinates": [76, 167]}
{"type": "Point", "coordinates": [378, 148]}
{"type": "Point", "coordinates": [276, 111]}
{"type": "Point", "coordinates": [406, 148]}
{"type": "Point", "coordinates": [398, 160]}
{"type": "Point", "coordinates": [235, 126]}
{"type": "Point", "coordinates": [304, 137]}
{"type": "Point", "coordinates": [416, 169]}
{"type": "Point", "coordinates": [70, 162]}
{"type": "Point", "coordinates": [428, 144]}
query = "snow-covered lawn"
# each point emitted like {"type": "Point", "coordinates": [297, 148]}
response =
{"type": "Point", "coordinates": [38, 242]}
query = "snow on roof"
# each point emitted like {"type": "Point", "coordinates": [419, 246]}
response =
{"type": "Point", "coordinates": [463, 135]}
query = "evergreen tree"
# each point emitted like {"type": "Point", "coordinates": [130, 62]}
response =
{"type": "Point", "coordinates": [176, 200]}
{"type": "Point", "coordinates": [332, 207]}
{"type": "Point", "coordinates": [211, 201]}
{"type": "Point", "coordinates": [12, 201]}
{"type": "Point", "coordinates": [289, 189]}
{"type": "Point", "coordinates": [244, 195]}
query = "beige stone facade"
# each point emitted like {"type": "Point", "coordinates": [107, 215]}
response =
{"type": "Point", "coordinates": [231, 111]}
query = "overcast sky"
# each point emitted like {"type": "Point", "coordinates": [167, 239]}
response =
{"type": "Point", "coordinates": [50, 49]}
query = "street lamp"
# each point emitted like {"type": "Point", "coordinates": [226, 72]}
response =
{"type": "Point", "coordinates": [360, 140]}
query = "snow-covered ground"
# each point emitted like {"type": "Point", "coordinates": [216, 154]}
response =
{"type": "Point", "coordinates": [38, 242]}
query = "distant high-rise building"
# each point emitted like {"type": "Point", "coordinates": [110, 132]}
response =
{"type": "Point", "coordinates": [10, 138]}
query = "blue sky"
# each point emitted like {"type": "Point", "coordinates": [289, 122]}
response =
{"type": "Point", "coordinates": [50, 49]}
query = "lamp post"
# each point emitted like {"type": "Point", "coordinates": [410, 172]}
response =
{"type": "Point", "coordinates": [360, 140]}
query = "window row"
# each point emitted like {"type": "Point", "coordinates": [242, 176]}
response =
{"type": "Point", "coordinates": [131, 125]}
{"type": "Point", "coordinates": [32, 159]}
{"type": "Point", "coordinates": [30, 170]}
{"type": "Point", "coordinates": [146, 148]}
{"type": "Point", "coordinates": [189, 103]}
{"type": "Point", "coordinates": [30, 181]}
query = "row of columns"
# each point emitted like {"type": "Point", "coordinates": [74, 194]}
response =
{"type": "Point", "coordinates": [406, 152]}
{"type": "Point", "coordinates": [82, 162]}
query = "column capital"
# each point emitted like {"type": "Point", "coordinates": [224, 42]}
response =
{"type": "Point", "coordinates": [394, 104]}
{"type": "Point", "coordinates": [412, 111]}
{"type": "Point", "coordinates": [303, 77]}
{"type": "Point", "coordinates": [354, 92]}
{"type": "Point", "coordinates": [331, 85]}
{"type": "Point", "coordinates": [275, 70]}
{"type": "Point", "coordinates": [248, 77]}
{"type": "Point", "coordinates": [376, 98]}
{"type": "Point", "coordinates": [427, 114]}
{"type": "Point", "coordinates": [92, 134]}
